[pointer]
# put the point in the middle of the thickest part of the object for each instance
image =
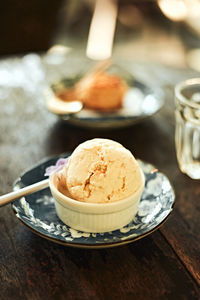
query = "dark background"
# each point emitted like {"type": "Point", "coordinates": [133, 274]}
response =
{"type": "Point", "coordinates": [34, 25]}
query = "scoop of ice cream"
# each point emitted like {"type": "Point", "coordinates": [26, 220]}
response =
{"type": "Point", "coordinates": [101, 170]}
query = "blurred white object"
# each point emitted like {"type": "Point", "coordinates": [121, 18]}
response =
{"type": "Point", "coordinates": [102, 29]}
{"type": "Point", "coordinates": [175, 10]}
{"type": "Point", "coordinates": [182, 10]}
{"type": "Point", "coordinates": [57, 54]}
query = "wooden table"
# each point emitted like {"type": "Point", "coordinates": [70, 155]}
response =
{"type": "Point", "coordinates": [163, 265]}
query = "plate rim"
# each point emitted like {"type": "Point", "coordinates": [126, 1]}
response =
{"type": "Point", "coordinates": [93, 246]}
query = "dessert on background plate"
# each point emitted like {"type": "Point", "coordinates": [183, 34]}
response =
{"type": "Point", "coordinates": [112, 98]}
{"type": "Point", "coordinates": [102, 91]}
{"type": "Point", "coordinates": [97, 89]}
{"type": "Point", "coordinates": [99, 188]}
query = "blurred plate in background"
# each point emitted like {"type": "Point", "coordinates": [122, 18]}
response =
{"type": "Point", "coordinates": [140, 102]}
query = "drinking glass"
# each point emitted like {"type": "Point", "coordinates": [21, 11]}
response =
{"type": "Point", "coordinates": [187, 130]}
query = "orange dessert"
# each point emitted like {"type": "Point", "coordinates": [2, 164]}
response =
{"type": "Point", "coordinates": [99, 91]}
{"type": "Point", "coordinates": [102, 91]}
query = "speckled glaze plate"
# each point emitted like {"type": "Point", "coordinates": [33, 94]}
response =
{"type": "Point", "coordinates": [37, 211]}
{"type": "Point", "coordinates": [140, 102]}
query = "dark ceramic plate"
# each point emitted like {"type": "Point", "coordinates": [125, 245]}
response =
{"type": "Point", "coordinates": [37, 211]}
{"type": "Point", "coordinates": [140, 102]}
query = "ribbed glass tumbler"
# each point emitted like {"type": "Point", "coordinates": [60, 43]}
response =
{"type": "Point", "coordinates": [187, 130]}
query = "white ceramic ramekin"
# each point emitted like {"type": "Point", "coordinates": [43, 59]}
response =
{"type": "Point", "coordinates": [94, 217]}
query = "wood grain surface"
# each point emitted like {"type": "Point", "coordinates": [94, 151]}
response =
{"type": "Point", "coordinates": [163, 265]}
